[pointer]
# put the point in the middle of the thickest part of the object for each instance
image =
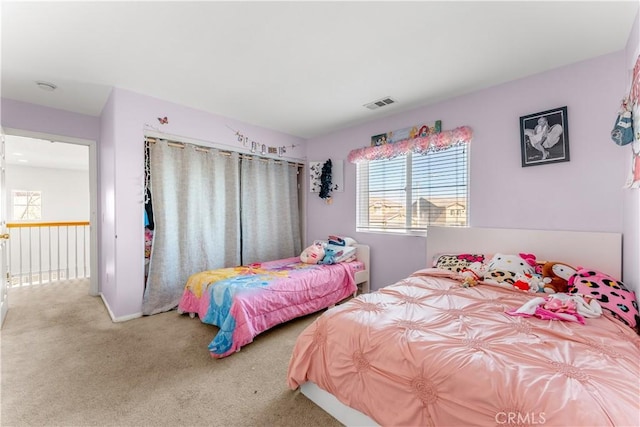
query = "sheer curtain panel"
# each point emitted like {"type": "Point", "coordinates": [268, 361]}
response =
{"type": "Point", "coordinates": [270, 210]}
{"type": "Point", "coordinates": [196, 199]}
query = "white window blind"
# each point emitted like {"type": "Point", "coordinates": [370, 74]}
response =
{"type": "Point", "coordinates": [408, 193]}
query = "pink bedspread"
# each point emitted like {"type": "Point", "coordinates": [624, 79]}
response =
{"type": "Point", "coordinates": [247, 300]}
{"type": "Point", "coordinates": [428, 352]}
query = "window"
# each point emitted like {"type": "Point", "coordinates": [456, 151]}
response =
{"type": "Point", "coordinates": [27, 205]}
{"type": "Point", "coordinates": [408, 193]}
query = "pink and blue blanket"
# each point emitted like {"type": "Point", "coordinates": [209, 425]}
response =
{"type": "Point", "coordinates": [247, 300]}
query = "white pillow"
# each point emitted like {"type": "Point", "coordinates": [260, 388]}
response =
{"type": "Point", "coordinates": [342, 240]}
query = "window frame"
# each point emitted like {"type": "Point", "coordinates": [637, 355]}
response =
{"type": "Point", "coordinates": [408, 229]}
{"type": "Point", "coordinates": [14, 195]}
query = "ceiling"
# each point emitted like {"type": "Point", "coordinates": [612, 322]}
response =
{"type": "Point", "coordinates": [303, 68]}
{"type": "Point", "coordinates": [39, 153]}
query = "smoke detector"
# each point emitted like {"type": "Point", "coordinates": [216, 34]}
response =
{"type": "Point", "coordinates": [382, 102]}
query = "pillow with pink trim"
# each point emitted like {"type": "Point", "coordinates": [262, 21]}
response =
{"type": "Point", "coordinates": [505, 269]}
{"type": "Point", "coordinates": [456, 262]}
{"type": "Point", "coordinates": [610, 293]}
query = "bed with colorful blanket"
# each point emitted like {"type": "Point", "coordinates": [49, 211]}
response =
{"type": "Point", "coordinates": [246, 300]}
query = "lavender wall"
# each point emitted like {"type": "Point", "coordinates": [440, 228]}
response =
{"type": "Point", "coordinates": [123, 124]}
{"type": "Point", "coordinates": [36, 118]}
{"type": "Point", "coordinates": [106, 201]}
{"type": "Point", "coordinates": [583, 194]}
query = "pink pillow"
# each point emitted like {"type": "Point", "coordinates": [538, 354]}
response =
{"type": "Point", "coordinates": [611, 293]}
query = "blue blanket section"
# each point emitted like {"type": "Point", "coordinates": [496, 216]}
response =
{"type": "Point", "coordinates": [220, 301]}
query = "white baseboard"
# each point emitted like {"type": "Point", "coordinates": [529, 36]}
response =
{"type": "Point", "coordinates": [118, 319]}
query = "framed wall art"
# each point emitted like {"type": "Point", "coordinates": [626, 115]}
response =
{"type": "Point", "coordinates": [544, 137]}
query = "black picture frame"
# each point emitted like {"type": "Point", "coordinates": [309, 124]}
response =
{"type": "Point", "coordinates": [541, 143]}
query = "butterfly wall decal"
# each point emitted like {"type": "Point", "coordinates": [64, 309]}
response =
{"type": "Point", "coordinates": [163, 120]}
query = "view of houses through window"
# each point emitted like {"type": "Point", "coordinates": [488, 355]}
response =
{"type": "Point", "coordinates": [409, 193]}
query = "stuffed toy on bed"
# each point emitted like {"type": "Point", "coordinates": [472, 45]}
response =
{"type": "Point", "coordinates": [558, 275]}
{"type": "Point", "coordinates": [504, 270]}
{"type": "Point", "coordinates": [330, 256]}
{"type": "Point", "coordinates": [472, 274]}
{"type": "Point", "coordinates": [531, 282]}
{"type": "Point", "coordinates": [313, 254]}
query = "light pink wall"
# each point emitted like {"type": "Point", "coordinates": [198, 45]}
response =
{"type": "Point", "coordinates": [128, 114]}
{"type": "Point", "coordinates": [582, 194]}
{"type": "Point", "coordinates": [631, 250]}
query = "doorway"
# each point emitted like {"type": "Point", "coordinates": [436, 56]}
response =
{"type": "Point", "coordinates": [52, 180]}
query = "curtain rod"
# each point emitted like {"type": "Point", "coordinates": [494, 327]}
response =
{"type": "Point", "coordinates": [201, 148]}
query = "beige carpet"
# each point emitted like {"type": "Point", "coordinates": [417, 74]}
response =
{"type": "Point", "coordinates": [64, 363]}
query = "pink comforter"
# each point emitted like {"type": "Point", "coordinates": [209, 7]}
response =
{"type": "Point", "coordinates": [428, 352]}
{"type": "Point", "coordinates": [247, 300]}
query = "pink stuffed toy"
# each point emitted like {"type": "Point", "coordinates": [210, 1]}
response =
{"type": "Point", "coordinates": [313, 254]}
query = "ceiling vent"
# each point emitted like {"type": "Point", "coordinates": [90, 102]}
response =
{"type": "Point", "coordinates": [382, 102]}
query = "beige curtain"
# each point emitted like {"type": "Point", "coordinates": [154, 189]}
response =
{"type": "Point", "coordinates": [196, 198]}
{"type": "Point", "coordinates": [270, 210]}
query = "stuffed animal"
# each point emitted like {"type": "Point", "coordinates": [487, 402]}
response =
{"type": "Point", "coordinates": [313, 254]}
{"type": "Point", "coordinates": [503, 269]}
{"type": "Point", "coordinates": [530, 282]}
{"type": "Point", "coordinates": [472, 274]}
{"type": "Point", "coordinates": [330, 256]}
{"type": "Point", "coordinates": [558, 274]}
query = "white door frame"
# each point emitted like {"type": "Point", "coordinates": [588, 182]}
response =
{"type": "Point", "coordinates": [4, 282]}
{"type": "Point", "coordinates": [94, 287]}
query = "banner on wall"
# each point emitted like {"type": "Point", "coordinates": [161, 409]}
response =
{"type": "Point", "coordinates": [407, 133]}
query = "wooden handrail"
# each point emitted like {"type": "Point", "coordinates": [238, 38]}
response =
{"type": "Point", "coordinates": [46, 224]}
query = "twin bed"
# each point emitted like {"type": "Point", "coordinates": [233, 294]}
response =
{"type": "Point", "coordinates": [427, 351]}
{"type": "Point", "coordinates": [246, 300]}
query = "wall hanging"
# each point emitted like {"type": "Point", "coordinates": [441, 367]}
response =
{"type": "Point", "coordinates": [256, 147]}
{"type": "Point", "coordinates": [622, 133]}
{"type": "Point", "coordinates": [326, 177]}
{"type": "Point", "coordinates": [544, 137]}
{"type": "Point", "coordinates": [633, 180]}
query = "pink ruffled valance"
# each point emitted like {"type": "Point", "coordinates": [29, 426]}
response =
{"type": "Point", "coordinates": [420, 145]}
